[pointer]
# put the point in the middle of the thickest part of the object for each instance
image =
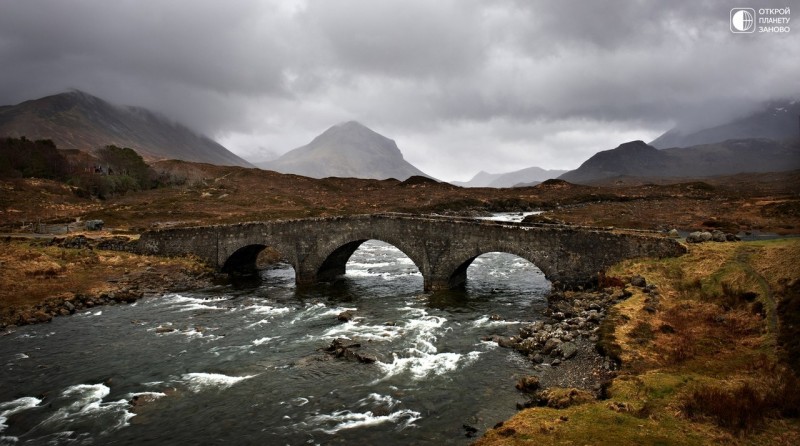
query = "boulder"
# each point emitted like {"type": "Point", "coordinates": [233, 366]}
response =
{"type": "Point", "coordinates": [718, 236]}
{"type": "Point", "coordinates": [345, 316]}
{"type": "Point", "coordinates": [699, 237]}
{"type": "Point", "coordinates": [568, 350]}
{"type": "Point", "coordinates": [673, 233]}
{"type": "Point", "coordinates": [551, 345]}
{"type": "Point", "coordinates": [527, 346]}
{"type": "Point", "coordinates": [347, 349]}
{"type": "Point", "coordinates": [42, 316]}
{"type": "Point", "coordinates": [638, 281]}
{"type": "Point", "coordinates": [94, 225]}
{"type": "Point", "coordinates": [506, 342]}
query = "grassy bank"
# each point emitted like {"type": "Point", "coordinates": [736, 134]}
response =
{"type": "Point", "coordinates": [710, 357]}
{"type": "Point", "coordinates": [38, 278]}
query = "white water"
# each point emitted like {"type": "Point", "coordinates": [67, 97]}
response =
{"type": "Point", "coordinates": [246, 366]}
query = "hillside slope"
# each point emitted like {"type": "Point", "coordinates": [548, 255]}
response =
{"type": "Point", "coordinates": [638, 159]}
{"type": "Point", "coordinates": [776, 120]}
{"type": "Point", "coordinates": [77, 120]}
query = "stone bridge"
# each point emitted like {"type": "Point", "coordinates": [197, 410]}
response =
{"type": "Point", "coordinates": [442, 248]}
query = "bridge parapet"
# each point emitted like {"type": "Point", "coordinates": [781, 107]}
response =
{"type": "Point", "coordinates": [441, 247]}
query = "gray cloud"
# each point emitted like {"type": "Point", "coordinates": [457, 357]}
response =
{"type": "Point", "coordinates": [461, 85]}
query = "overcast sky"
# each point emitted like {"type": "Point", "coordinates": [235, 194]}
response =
{"type": "Point", "coordinates": [460, 85]}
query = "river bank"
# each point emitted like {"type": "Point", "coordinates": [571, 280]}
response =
{"type": "Point", "coordinates": [708, 356]}
{"type": "Point", "coordinates": [567, 346]}
{"type": "Point", "coordinates": [49, 277]}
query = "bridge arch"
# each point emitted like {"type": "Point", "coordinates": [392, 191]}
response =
{"type": "Point", "coordinates": [331, 261]}
{"type": "Point", "coordinates": [455, 270]}
{"type": "Point", "coordinates": [243, 261]}
{"type": "Point", "coordinates": [502, 272]}
{"type": "Point", "coordinates": [242, 257]}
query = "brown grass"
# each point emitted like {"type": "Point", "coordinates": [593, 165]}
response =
{"type": "Point", "coordinates": [745, 406]}
{"type": "Point", "coordinates": [703, 369]}
{"type": "Point", "coordinates": [206, 194]}
{"type": "Point", "coordinates": [31, 272]}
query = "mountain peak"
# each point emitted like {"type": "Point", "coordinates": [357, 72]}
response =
{"type": "Point", "coordinates": [350, 125]}
{"type": "Point", "coordinates": [631, 145]}
{"type": "Point", "coordinates": [348, 149]}
{"type": "Point", "coordinates": [355, 129]}
{"type": "Point", "coordinates": [79, 94]}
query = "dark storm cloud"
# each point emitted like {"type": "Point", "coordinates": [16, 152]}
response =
{"type": "Point", "coordinates": [138, 52]}
{"type": "Point", "coordinates": [462, 85]}
{"type": "Point", "coordinates": [623, 60]}
{"type": "Point", "coordinates": [413, 39]}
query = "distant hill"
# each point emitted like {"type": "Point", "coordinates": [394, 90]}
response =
{"type": "Point", "coordinates": [481, 179]}
{"type": "Point", "coordinates": [346, 150]}
{"type": "Point", "coordinates": [777, 120]}
{"type": "Point", "coordinates": [510, 179]}
{"type": "Point", "coordinates": [77, 120]}
{"type": "Point", "coordinates": [637, 159]}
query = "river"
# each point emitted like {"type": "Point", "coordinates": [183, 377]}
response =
{"type": "Point", "coordinates": [243, 365]}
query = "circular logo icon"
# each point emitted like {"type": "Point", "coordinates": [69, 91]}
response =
{"type": "Point", "coordinates": [742, 20]}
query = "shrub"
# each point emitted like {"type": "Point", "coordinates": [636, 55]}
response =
{"type": "Point", "coordinates": [744, 407]}
{"type": "Point", "coordinates": [789, 325]}
{"type": "Point", "coordinates": [607, 344]}
{"type": "Point", "coordinates": [739, 409]}
{"type": "Point", "coordinates": [125, 162]}
{"type": "Point", "coordinates": [641, 333]}
{"type": "Point", "coordinates": [21, 157]}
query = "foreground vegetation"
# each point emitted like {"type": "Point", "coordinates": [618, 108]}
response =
{"type": "Point", "coordinates": [711, 357]}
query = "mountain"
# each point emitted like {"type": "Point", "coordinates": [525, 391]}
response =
{"type": "Point", "coordinates": [510, 179]}
{"type": "Point", "coordinates": [348, 149]}
{"type": "Point", "coordinates": [776, 120]}
{"type": "Point", "coordinates": [481, 179]}
{"type": "Point", "coordinates": [638, 159]}
{"type": "Point", "coordinates": [77, 120]}
{"type": "Point", "coordinates": [529, 175]}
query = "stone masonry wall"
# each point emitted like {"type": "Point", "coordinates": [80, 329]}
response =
{"type": "Point", "coordinates": [442, 248]}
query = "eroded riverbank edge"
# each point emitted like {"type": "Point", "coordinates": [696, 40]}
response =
{"type": "Point", "coordinates": [47, 277]}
